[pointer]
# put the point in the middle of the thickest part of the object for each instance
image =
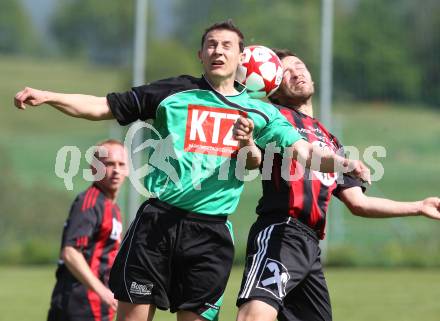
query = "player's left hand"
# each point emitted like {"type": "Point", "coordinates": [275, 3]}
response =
{"type": "Point", "coordinates": [243, 128]}
{"type": "Point", "coordinates": [108, 298]}
{"type": "Point", "coordinates": [431, 207]}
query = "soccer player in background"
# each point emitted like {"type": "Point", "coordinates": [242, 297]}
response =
{"type": "Point", "coordinates": [90, 241]}
{"type": "Point", "coordinates": [283, 276]}
{"type": "Point", "coordinates": [178, 252]}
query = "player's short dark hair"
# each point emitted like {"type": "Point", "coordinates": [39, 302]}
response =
{"type": "Point", "coordinates": [283, 53]}
{"type": "Point", "coordinates": [225, 25]}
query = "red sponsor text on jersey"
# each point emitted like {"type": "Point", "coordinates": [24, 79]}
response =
{"type": "Point", "coordinates": [209, 130]}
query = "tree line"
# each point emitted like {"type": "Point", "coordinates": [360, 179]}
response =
{"type": "Point", "coordinates": [383, 49]}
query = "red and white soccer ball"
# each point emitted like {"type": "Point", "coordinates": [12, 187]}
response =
{"type": "Point", "coordinates": [261, 71]}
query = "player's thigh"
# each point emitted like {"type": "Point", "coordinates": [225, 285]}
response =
{"type": "Point", "coordinates": [207, 254]}
{"type": "Point", "coordinates": [278, 258]}
{"type": "Point", "coordinates": [256, 310]}
{"type": "Point", "coordinates": [140, 273]}
{"type": "Point", "coordinates": [310, 301]}
{"type": "Point", "coordinates": [135, 312]}
{"type": "Point", "coordinates": [189, 316]}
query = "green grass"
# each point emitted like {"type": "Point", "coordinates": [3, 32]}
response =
{"type": "Point", "coordinates": [357, 294]}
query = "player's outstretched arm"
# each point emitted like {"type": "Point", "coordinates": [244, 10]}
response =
{"type": "Point", "coordinates": [75, 105]}
{"type": "Point", "coordinates": [374, 207]}
{"type": "Point", "coordinates": [326, 161]}
{"type": "Point", "coordinates": [242, 132]}
{"type": "Point", "coordinates": [77, 265]}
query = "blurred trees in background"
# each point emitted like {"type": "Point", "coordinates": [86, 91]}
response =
{"type": "Point", "coordinates": [16, 32]}
{"type": "Point", "coordinates": [423, 32]}
{"type": "Point", "coordinates": [373, 57]}
{"type": "Point", "coordinates": [383, 49]}
{"type": "Point", "coordinates": [102, 30]}
{"type": "Point", "coordinates": [388, 51]}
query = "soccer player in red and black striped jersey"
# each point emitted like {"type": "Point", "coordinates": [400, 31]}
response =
{"type": "Point", "coordinates": [283, 276]}
{"type": "Point", "coordinates": [90, 241]}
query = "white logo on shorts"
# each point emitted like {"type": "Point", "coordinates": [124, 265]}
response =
{"type": "Point", "coordinates": [274, 278]}
{"type": "Point", "coordinates": [141, 289]}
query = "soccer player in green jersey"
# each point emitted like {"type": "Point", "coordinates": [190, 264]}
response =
{"type": "Point", "coordinates": [178, 252]}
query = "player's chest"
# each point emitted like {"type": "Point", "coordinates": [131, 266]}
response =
{"type": "Point", "coordinates": [111, 224]}
{"type": "Point", "coordinates": [317, 135]}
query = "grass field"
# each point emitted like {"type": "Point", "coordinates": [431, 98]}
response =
{"type": "Point", "coordinates": [357, 294]}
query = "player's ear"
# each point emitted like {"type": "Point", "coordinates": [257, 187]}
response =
{"type": "Point", "coordinates": [241, 58]}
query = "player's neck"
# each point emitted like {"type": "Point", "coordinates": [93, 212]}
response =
{"type": "Point", "coordinates": [111, 195]}
{"type": "Point", "coordinates": [108, 193]}
{"type": "Point", "coordinates": [306, 108]}
{"type": "Point", "coordinates": [224, 86]}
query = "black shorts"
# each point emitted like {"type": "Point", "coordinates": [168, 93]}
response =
{"type": "Point", "coordinates": [283, 269]}
{"type": "Point", "coordinates": [174, 259]}
{"type": "Point", "coordinates": [72, 301]}
{"type": "Point", "coordinates": [56, 314]}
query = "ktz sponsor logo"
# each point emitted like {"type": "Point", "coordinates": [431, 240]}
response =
{"type": "Point", "coordinates": [209, 130]}
{"type": "Point", "coordinates": [274, 278]}
{"type": "Point", "coordinates": [141, 289]}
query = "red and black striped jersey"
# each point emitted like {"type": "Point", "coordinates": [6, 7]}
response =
{"type": "Point", "coordinates": [307, 194]}
{"type": "Point", "coordinates": [93, 227]}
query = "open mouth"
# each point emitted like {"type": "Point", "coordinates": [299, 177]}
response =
{"type": "Point", "coordinates": [217, 63]}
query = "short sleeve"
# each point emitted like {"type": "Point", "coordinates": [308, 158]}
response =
{"type": "Point", "coordinates": [277, 130]}
{"type": "Point", "coordinates": [347, 181]}
{"type": "Point", "coordinates": [141, 103]}
{"type": "Point", "coordinates": [80, 226]}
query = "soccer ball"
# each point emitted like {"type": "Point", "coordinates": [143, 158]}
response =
{"type": "Point", "coordinates": [261, 71]}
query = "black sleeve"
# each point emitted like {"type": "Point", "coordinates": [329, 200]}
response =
{"type": "Point", "coordinates": [348, 181]}
{"type": "Point", "coordinates": [80, 225]}
{"type": "Point", "coordinates": [142, 102]}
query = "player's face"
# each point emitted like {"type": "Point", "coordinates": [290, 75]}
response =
{"type": "Point", "coordinates": [116, 168]}
{"type": "Point", "coordinates": [297, 81]}
{"type": "Point", "coordinates": [220, 54]}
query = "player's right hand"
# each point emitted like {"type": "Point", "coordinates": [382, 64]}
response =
{"type": "Point", "coordinates": [29, 96]}
{"type": "Point", "coordinates": [359, 170]}
{"type": "Point", "coordinates": [243, 128]}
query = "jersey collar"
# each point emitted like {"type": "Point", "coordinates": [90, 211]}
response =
{"type": "Point", "coordinates": [237, 85]}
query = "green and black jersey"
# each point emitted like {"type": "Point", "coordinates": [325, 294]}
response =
{"type": "Point", "coordinates": [195, 155]}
